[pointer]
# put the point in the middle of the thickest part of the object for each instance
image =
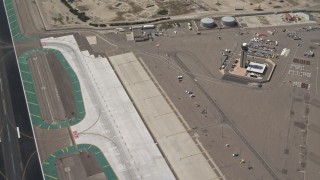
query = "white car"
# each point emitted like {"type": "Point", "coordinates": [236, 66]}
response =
{"type": "Point", "coordinates": [235, 154]}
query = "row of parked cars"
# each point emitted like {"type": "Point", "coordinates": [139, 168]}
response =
{"type": "Point", "coordinates": [261, 47]}
{"type": "Point", "coordinates": [293, 35]}
{"type": "Point", "coordinates": [262, 54]}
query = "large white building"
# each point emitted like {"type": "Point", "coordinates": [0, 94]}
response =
{"type": "Point", "coordinates": [258, 68]}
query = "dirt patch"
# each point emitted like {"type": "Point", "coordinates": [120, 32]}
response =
{"type": "Point", "coordinates": [164, 26]}
{"type": "Point", "coordinates": [57, 13]}
{"type": "Point", "coordinates": [293, 2]}
{"type": "Point", "coordinates": [135, 10]}
{"type": "Point", "coordinates": [178, 7]}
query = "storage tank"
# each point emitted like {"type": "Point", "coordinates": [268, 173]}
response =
{"type": "Point", "coordinates": [207, 23]}
{"type": "Point", "coordinates": [229, 21]}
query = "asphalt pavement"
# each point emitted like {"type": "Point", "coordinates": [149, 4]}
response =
{"type": "Point", "coordinates": [18, 156]}
{"type": "Point", "coordinates": [9, 136]}
{"type": "Point", "coordinates": [20, 160]}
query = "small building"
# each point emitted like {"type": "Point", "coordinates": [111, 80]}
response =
{"type": "Point", "coordinates": [288, 17]}
{"type": "Point", "coordinates": [139, 35]}
{"type": "Point", "coordinates": [258, 68]}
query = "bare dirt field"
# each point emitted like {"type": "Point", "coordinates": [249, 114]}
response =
{"type": "Point", "coordinates": [134, 10]}
{"type": "Point", "coordinates": [57, 13]}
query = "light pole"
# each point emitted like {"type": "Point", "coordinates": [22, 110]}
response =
{"type": "Point", "coordinates": [168, 59]}
{"type": "Point", "coordinates": [222, 130]}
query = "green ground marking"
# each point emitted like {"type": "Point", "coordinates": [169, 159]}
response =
{"type": "Point", "coordinates": [29, 92]}
{"type": "Point", "coordinates": [31, 96]}
{"type": "Point", "coordinates": [27, 81]}
{"type": "Point", "coordinates": [34, 104]}
{"type": "Point", "coordinates": [14, 25]}
{"type": "Point", "coordinates": [50, 170]}
{"type": "Point", "coordinates": [51, 177]}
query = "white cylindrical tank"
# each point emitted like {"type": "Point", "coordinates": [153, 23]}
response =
{"type": "Point", "coordinates": [229, 21]}
{"type": "Point", "coordinates": [207, 23]}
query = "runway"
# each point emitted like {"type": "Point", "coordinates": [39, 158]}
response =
{"type": "Point", "coordinates": [19, 160]}
{"type": "Point", "coordinates": [9, 136]}
{"type": "Point", "coordinates": [19, 154]}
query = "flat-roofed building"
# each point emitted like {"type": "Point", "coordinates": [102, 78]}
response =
{"type": "Point", "coordinates": [254, 67]}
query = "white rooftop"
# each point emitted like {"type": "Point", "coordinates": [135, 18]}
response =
{"type": "Point", "coordinates": [111, 122]}
{"type": "Point", "coordinates": [256, 67]}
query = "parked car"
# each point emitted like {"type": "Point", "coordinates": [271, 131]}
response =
{"type": "Point", "coordinates": [235, 154]}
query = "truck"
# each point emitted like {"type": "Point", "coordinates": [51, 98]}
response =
{"type": "Point", "coordinates": [271, 32]}
{"type": "Point", "coordinates": [148, 26]}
